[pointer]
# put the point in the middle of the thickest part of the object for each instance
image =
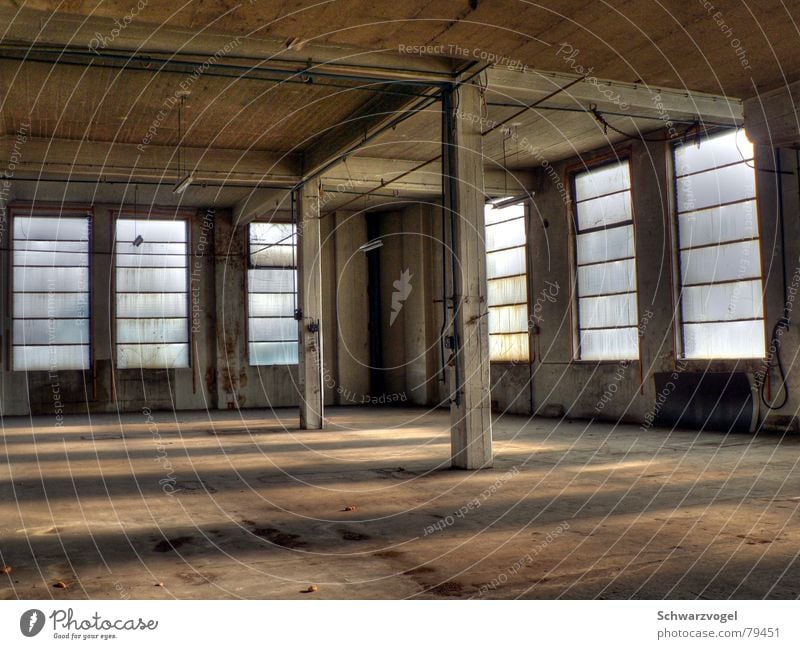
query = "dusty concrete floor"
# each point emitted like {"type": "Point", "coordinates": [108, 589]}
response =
{"type": "Point", "coordinates": [572, 510]}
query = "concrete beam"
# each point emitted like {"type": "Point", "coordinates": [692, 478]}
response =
{"type": "Point", "coordinates": [84, 158]}
{"type": "Point", "coordinates": [773, 118]}
{"type": "Point", "coordinates": [375, 114]}
{"type": "Point", "coordinates": [100, 29]}
{"type": "Point", "coordinates": [263, 204]}
{"type": "Point", "coordinates": [532, 85]}
{"type": "Point", "coordinates": [367, 173]}
{"type": "Point", "coordinates": [470, 409]}
{"type": "Point", "coordinates": [309, 287]}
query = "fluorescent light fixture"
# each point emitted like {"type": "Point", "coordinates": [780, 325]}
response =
{"type": "Point", "coordinates": [183, 184]}
{"type": "Point", "coordinates": [371, 245]}
{"type": "Point", "coordinates": [500, 203]}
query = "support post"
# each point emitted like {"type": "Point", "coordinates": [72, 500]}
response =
{"type": "Point", "coordinates": [310, 303]}
{"type": "Point", "coordinates": [470, 405]}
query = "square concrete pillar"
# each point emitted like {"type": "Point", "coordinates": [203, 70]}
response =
{"type": "Point", "coordinates": [309, 286]}
{"type": "Point", "coordinates": [470, 406]}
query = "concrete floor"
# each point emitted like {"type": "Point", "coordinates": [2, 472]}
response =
{"type": "Point", "coordinates": [571, 510]}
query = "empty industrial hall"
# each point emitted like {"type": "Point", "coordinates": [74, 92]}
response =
{"type": "Point", "coordinates": [459, 300]}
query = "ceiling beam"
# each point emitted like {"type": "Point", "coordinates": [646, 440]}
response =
{"type": "Point", "coordinates": [529, 86]}
{"type": "Point", "coordinates": [112, 160]}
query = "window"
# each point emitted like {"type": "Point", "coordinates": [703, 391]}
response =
{"type": "Point", "coordinates": [151, 294]}
{"type": "Point", "coordinates": [272, 294]}
{"type": "Point", "coordinates": [606, 275]}
{"type": "Point", "coordinates": [722, 311]}
{"type": "Point", "coordinates": [50, 264]}
{"type": "Point", "coordinates": [506, 272]}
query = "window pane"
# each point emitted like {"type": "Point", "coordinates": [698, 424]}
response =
{"type": "Point", "coordinates": [50, 280]}
{"type": "Point", "coordinates": [743, 339]}
{"type": "Point", "coordinates": [716, 187]}
{"type": "Point", "coordinates": [507, 319]}
{"type": "Point", "coordinates": [612, 277]}
{"type": "Point", "coordinates": [608, 311]}
{"type": "Point", "coordinates": [713, 152]}
{"type": "Point", "coordinates": [271, 294]}
{"type": "Point", "coordinates": [605, 245]}
{"type": "Point", "coordinates": [273, 353]}
{"type": "Point", "coordinates": [511, 290]}
{"type": "Point", "coordinates": [606, 179]}
{"type": "Point", "coordinates": [719, 224]}
{"type": "Point", "coordinates": [152, 327]}
{"type": "Point", "coordinates": [732, 261]}
{"type": "Point", "coordinates": [508, 347]}
{"type": "Point", "coordinates": [604, 211]}
{"type": "Point", "coordinates": [152, 356]}
{"type": "Point", "coordinates": [273, 329]}
{"type": "Point", "coordinates": [51, 358]}
{"type": "Point", "coordinates": [505, 263]}
{"type": "Point", "coordinates": [610, 344]}
{"type": "Point", "coordinates": [734, 301]}
{"type": "Point", "coordinates": [492, 215]}
{"type": "Point", "coordinates": [505, 235]}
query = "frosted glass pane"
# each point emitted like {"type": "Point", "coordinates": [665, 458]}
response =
{"type": "Point", "coordinates": [271, 304]}
{"type": "Point", "coordinates": [505, 235]}
{"type": "Point", "coordinates": [51, 332]}
{"type": "Point", "coordinates": [264, 233]}
{"type": "Point", "coordinates": [51, 228]}
{"type": "Point", "coordinates": [151, 280]}
{"type": "Point", "coordinates": [511, 290]}
{"type": "Point", "coordinates": [724, 340]}
{"type": "Point", "coordinates": [152, 305]}
{"type": "Point", "coordinates": [716, 186]}
{"type": "Point", "coordinates": [605, 245]}
{"type": "Point", "coordinates": [612, 277]}
{"type": "Point", "coordinates": [273, 353]}
{"type": "Point", "coordinates": [151, 260]}
{"type": "Point", "coordinates": [736, 301]}
{"type": "Point", "coordinates": [508, 347]}
{"type": "Point", "coordinates": [604, 211]}
{"type": "Point", "coordinates": [602, 180]}
{"type": "Point", "coordinates": [53, 305]}
{"type": "Point", "coordinates": [152, 356]}
{"type": "Point", "coordinates": [43, 258]}
{"type": "Point", "coordinates": [52, 246]}
{"type": "Point", "coordinates": [713, 152]}
{"type": "Point", "coordinates": [151, 230]}
{"type": "Point", "coordinates": [149, 248]}
{"type": "Point", "coordinates": [610, 344]}
{"type": "Point", "coordinates": [492, 215]}
{"type": "Point", "coordinates": [266, 329]}
{"type": "Point", "coordinates": [719, 224]}
{"type": "Point", "coordinates": [731, 261]}
{"type": "Point", "coordinates": [60, 280]}
{"type": "Point", "coordinates": [608, 311]}
{"type": "Point", "coordinates": [505, 262]}
{"type": "Point", "coordinates": [73, 357]}
{"type": "Point", "coordinates": [508, 319]}
{"type": "Point", "coordinates": [152, 330]}
{"type": "Point", "coordinates": [281, 256]}
{"type": "Point", "coordinates": [271, 281]}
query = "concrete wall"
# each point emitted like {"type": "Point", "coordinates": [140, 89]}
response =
{"type": "Point", "coordinates": [220, 375]}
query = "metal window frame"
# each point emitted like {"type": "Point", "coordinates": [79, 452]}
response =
{"type": "Point", "coordinates": [678, 284]}
{"type": "Point", "coordinates": [32, 210]}
{"type": "Point", "coordinates": [609, 159]}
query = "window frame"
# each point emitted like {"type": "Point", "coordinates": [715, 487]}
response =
{"type": "Point", "coordinates": [716, 362]}
{"type": "Point", "coordinates": [154, 214]}
{"type": "Point", "coordinates": [248, 266]}
{"type": "Point", "coordinates": [50, 211]}
{"type": "Point", "coordinates": [525, 203]}
{"type": "Point", "coordinates": [614, 157]}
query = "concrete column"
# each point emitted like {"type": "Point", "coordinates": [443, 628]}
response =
{"type": "Point", "coordinates": [309, 288]}
{"type": "Point", "coordinates": [470, 407]}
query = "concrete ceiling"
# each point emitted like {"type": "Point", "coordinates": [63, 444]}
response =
{"type": "Point", "coordinates": [242, 127]}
